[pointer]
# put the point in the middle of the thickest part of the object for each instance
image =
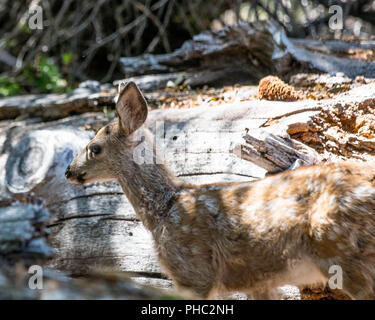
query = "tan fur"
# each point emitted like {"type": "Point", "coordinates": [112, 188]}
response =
{"type": "Point", "coordinates": [250, 236]}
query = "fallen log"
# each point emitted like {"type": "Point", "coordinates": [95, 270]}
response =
{"type": "Point", "coordinates": [241, 54]}
{"type": "Point", "coordinates": [233, 54]}
{"type": "Point", "coordinates": [23, 231]}
{"type": "Point", "coordinates": [328, 63]}
{"type": "Point", "coordinates": [55, 106]}
{"type": "Point", "coordinates": [42, 155]}
{"type": "Point", "coordinates": [231, 41]}
{"type": "Point", "coordinates": [334, 46]}
{"type": "Point", "coordinates": [98, 285]}
{"type": "Point", "coordinates": [153, 82]}
{"type": "Point", "coordinates": [275, 153]}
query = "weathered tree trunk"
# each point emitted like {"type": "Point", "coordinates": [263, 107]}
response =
{"type": "Point", "coordinates": [226, 49]}
{"type": "Point", "coordinates": [55, 106]}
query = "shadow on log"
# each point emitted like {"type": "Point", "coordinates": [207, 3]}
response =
{"type": "Point", "coordinates": [23, 233]}
{"type": "Point", "coordinates": [58, 286]}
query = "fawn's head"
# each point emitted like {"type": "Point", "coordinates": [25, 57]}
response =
{"type": "Point", "coordinates": [99, 159]}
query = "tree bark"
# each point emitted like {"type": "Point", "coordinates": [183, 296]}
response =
{"type": "Point", "coordinates": [275, 153]}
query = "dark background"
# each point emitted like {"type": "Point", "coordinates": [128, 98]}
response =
{"type": "Point", "coordinates": [85, 39]}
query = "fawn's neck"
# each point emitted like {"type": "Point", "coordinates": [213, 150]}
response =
{"type": "Point", "coordinates": [150, 187]}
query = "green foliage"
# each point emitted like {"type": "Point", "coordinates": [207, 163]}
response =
{"type": "Point", "coordinates": [8, 87]}
{"type": "Point", "coordinates": [24, 27]}
{"type": "Point", "coordinates": [40, 76]}
{"type": "Point", "coordinates": [67, 58]}
{"type": "Point", "coordinates": [45, 75]}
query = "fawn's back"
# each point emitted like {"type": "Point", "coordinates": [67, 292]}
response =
{"type": "Point", "coordinates": [285, 229]}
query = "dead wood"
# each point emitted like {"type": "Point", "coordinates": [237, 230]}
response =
{"type": "Point", "coordinates": [275, 153]}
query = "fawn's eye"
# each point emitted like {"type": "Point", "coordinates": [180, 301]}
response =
{"type": "Point", "coordinates": [95, 149]}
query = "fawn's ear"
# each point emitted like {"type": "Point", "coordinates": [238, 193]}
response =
{"type": "Point", "coordinates": [131, 108]}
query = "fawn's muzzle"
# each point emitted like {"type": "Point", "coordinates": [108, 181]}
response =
{"type": "Point", "coordinates": [74, 176]}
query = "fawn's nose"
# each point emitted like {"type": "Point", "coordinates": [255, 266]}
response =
{"type": "Point", "coordinates": [68, 173]}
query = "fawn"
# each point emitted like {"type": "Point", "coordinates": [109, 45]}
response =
{"type": "Point", "coordinates": [288, 228]}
